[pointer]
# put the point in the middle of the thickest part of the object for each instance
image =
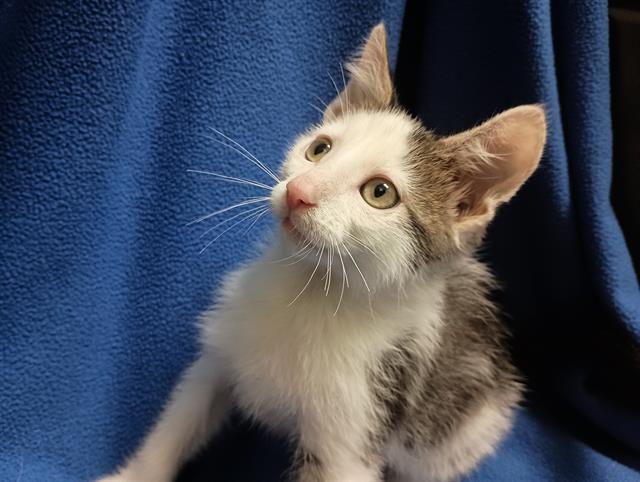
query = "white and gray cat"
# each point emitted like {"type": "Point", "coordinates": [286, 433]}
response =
{"type": "Point", "coordinates": [374, 345]}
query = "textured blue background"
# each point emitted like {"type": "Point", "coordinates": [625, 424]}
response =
{"type": "Point", "coordinates": [103, 107]}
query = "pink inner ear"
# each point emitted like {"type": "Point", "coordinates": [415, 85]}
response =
{"type": "Point", "coordinates": [497, 157]}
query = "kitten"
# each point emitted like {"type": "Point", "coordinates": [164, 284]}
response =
{"type": "Point", "coordinates": [374, 345]}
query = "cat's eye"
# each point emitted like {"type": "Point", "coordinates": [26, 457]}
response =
{"type": "Point", "coordinates": [318, 149]}
{"type": "Point", "coordinates": [380, 193]}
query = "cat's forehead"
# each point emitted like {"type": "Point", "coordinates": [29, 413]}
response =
{"type": "Point", "coordinates": [381, 126]}
{"type": "Point", "coordinates": [379, 137]}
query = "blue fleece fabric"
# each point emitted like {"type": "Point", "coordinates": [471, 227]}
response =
{"type": "Point", "coordinates": [104, 105]}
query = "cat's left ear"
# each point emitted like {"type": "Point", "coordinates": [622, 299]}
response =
{"type": "Point", "coordinates": [492, 161]}
{"type": "Point", "coordinates": [370, 85]}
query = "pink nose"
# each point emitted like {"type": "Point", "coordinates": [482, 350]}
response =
{"type": "Point", "coordinates": [299, 194]}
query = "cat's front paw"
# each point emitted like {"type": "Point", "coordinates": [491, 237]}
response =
{"type": "Point", "coordinates": [115, 478]}
{"type": "Point", "coordinates": [130, 476]}
{"type": "Point", "coordinates": [124, 476]}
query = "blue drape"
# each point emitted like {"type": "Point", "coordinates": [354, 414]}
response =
{"type": "Point", "coordinates": [104, 105]}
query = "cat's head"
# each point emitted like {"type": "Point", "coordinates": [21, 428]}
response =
{"type": "Point", "coordinates": [371, 181]}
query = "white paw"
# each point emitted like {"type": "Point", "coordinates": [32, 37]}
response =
{"type": "Point", "coordinates": [115, 478]}
{"type": "Point", "coordinates": [129, 476]}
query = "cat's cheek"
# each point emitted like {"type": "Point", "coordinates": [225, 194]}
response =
{"type": "Point", "coordinates": [279, 200]}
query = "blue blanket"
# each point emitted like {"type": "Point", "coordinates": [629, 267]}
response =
{"type": "Point", "coordinates": [104, 105]}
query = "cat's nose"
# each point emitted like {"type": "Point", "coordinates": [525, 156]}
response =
{"type": "Point", "coordinates": [299, 194]}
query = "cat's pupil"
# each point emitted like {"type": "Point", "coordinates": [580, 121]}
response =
{"type": "Point", "coordinates": [380, 190]}
{"type": "Point", "coordinates": [320, 149]}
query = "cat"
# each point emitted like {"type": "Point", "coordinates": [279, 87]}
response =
{"type": "Point", "coordinates": [365, 331]}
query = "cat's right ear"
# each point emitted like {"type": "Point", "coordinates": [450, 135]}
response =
{"type": "Point", "coordinates": [370, 86]}
{"type": "Point", "coordinates": [492, 162]}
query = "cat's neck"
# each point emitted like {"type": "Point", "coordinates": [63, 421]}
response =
{"type": "Point", "coordinates": [352, 286]}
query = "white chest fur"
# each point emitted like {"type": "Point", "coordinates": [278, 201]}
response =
{"type": "Point", "coordinates": [301, 363]}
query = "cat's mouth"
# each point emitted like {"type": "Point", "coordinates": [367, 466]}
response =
{"type": "Point", "coordinates": [290, 229]}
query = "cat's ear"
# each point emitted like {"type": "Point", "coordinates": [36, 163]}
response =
{"type": "Point", "coordinates": [493, 160]}
{"type": "Point", "coordinates": [370, 85]}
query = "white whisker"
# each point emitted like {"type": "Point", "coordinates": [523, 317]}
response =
{"type": "Point", "coordinates": [227, 229]}
{"type": "Point", "coordinates": [344, 277]}
{"type": "Point", "coordinates": [303, 256]}
{"type": "Point", "coordinates": [246, 154]}
{"type": "Point", "coordinates": [357, 267]}
{"type": "Point", "coordinates": [229, 208]}
{"type": "Point", "coordinates": [262, 213]}
{"type": "Point", "coordinates": [231, 219]}
{"type": "Point", "coordinates": [316, 108]}
{"type": "Point", "coordinates": [337, 92]}
{"type": "Point", "coordinates": [346, 92]}
{"type": "Point", "coordinates": [330, 268]}
{"type": "Point", "coordinates": [310, 277]}
{"type": "Point", "coordinates": [246, 151]}
{"type": "Point", "coordinates": [321, 101]}
{"type": "Point", "coordinates": [292, 255]}
{"type": "Point", "coordinates": [326, 274]}
{"type": "Point", "coordinates": [243, 155]}
{"type": "Point", "coordinates": [368, 248]}
{"type": "Point", "coordinates": [232, 179]}
{"type": "Point", "coordinates": [326, 107]}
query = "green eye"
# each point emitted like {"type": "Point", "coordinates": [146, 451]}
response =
{"type": "Point", "coordinates": [318, 149]}
{"type": "Point", "coordinates": [380, 193]}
